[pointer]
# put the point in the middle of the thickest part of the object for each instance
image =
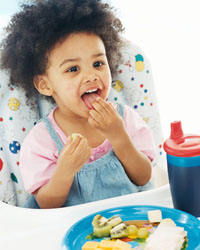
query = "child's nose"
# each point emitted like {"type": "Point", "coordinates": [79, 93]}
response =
{"type": "Point", "coordinates": [90, 77]}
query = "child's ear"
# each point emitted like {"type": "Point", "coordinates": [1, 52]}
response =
{"type": "Point", "coordinates": [41, 83]}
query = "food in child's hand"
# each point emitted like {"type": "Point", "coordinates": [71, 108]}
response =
{"type": "Point", "coordinates": [74, 135]}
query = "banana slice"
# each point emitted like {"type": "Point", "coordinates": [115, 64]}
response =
{"type": "Point", "coordinates": [74, 135]}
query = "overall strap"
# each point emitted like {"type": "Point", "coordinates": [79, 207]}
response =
{"type": "Point", "coordinates": [53, 133]}
{"type": "Point", "coordinates": [120, 109]}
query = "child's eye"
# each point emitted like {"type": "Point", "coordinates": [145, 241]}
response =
{"type": "Point", "coordinates": [98, 64]}
{"type": "Point", "coordinates": [73, 69]}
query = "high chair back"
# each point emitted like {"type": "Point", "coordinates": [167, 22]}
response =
{"type": "Point", "coordinates": [132, 85]}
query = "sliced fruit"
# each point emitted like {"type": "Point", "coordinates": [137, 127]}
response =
{"type": "Point", "coordinates": [119, 231]}
{"type": "Point", "coordinates": [133, 237]}
{"type": "Point", "coordinates": [114, 221]}
{"type": "Point", "coordinates": [101, 228]}
{"type": "Point", "coordinates": [74, 135]}
{"type": "Point", "coordinates": [99, 220]}
{"type": "Point", "coordinates": [132, 230]}
{"type": "Point", "coordinates": [102, 231]}
{"type": "Point", "coordinates": [143, 233]}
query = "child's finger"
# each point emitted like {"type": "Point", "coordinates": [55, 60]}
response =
{"type": "Point", "coordinates": [83, 144]}
{"type": "Point", "coordinates": [83, 151]}
{"type": "Point", "coordinates": [86, 151]}
{"type": "Point", "coordinates": [96, 116]}
{"type": "Point", "coordinates": [111, 106]}
{"type": "Point", "coordinates": [72, 143]}
{"type": "Point", "coordinates": [92, 122]}
{"type": "Point", "coordinates": [69, 140]}
{"type": "Point", "coordinates": [100, 109]}
{"type": "Point", "coordinates": [105, 105]}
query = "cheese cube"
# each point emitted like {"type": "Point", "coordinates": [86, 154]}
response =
{"type": "Point", "coordinates": [107, 244]}
{"type": "Point", "coordinates": [90, 245]}
{"type": "Point", "coordinates": [167, 223]}
{"type": "Point", "coordinates": [154, 216]}
{"type": "Point", "coordinates": [121, 245]}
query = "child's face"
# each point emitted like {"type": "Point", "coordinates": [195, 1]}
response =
{"type": "Point", "coordinates": [77, 65]}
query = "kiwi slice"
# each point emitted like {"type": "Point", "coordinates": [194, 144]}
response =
{"type": "Point", "coordinates": [101, 227]}
{"type": "Point", "coordinates": [99, 221]}
{"type": "Point", "coordinates": [114, 220]}
{"type": "Point", "coordinates": [119, 231]}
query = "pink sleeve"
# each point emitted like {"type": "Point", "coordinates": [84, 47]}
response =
{"type": "Point", "coordinates": [38, 157]}
{"type": "Point", "coordinates": [139, 132]}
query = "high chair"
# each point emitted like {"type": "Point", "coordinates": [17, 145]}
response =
{"type": "Point", "coordinates": [132, 85]}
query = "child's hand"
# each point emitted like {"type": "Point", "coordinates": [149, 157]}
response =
{"type": "Point", "coordinates": [106, 119]}
{"type": "Point", "coordinates": [74, 155]}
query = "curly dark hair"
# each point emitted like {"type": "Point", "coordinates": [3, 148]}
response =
{"type": "Point", "coordinates": [34, 31]}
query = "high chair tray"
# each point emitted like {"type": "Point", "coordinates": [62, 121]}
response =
{"type": "Point", "coordinates": [75, 237]}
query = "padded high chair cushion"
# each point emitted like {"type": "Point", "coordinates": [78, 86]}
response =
{"type": "Point", "coordinates": [16, 120]}
{"type": "Point", "coordinates": [133, 85]}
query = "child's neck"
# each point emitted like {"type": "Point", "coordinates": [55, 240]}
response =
{"type": "Point", "coordinates": [81, 126]}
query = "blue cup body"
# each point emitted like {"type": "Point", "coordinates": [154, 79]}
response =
{"type": "Point", "coordinates": [184, 179]}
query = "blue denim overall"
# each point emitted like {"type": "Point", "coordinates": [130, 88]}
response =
{"type": "Point", "coordinates": [100, 179]}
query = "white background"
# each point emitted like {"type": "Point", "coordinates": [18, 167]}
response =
{"type": "Point", "coordinates": [168, 32]}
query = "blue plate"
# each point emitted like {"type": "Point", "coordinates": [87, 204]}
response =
{"type": "Point", "coordinates": [74, 239]}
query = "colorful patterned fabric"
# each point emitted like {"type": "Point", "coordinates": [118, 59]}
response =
{"type": "Point", "coordinates": [133, 85]}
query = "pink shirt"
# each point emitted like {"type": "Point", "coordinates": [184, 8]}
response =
{"type": "Point", "coordinates": [39, 154]}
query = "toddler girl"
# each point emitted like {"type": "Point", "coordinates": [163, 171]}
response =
{"type": "Point", "coordinates": [67, 50]}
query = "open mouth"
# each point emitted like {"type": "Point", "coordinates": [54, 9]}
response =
{"type": "Point", "coordinates": [90, 96]}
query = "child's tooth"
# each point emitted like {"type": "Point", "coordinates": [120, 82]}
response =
{"type": "Point", "coordinates": [90, 91]}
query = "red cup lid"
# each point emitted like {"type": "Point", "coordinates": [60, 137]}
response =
{"type": "Point", "coordinates": [182, 145]}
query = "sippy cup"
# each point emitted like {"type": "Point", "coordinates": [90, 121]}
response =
{"type": "Point", "coordinates": [183, 160]}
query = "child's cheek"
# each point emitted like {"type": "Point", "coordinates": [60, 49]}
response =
{"type": "Point", "coordinates": [72, 91]}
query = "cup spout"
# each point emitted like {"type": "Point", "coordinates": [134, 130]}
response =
{"type": "Point", "coordinates": [176, 130]}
